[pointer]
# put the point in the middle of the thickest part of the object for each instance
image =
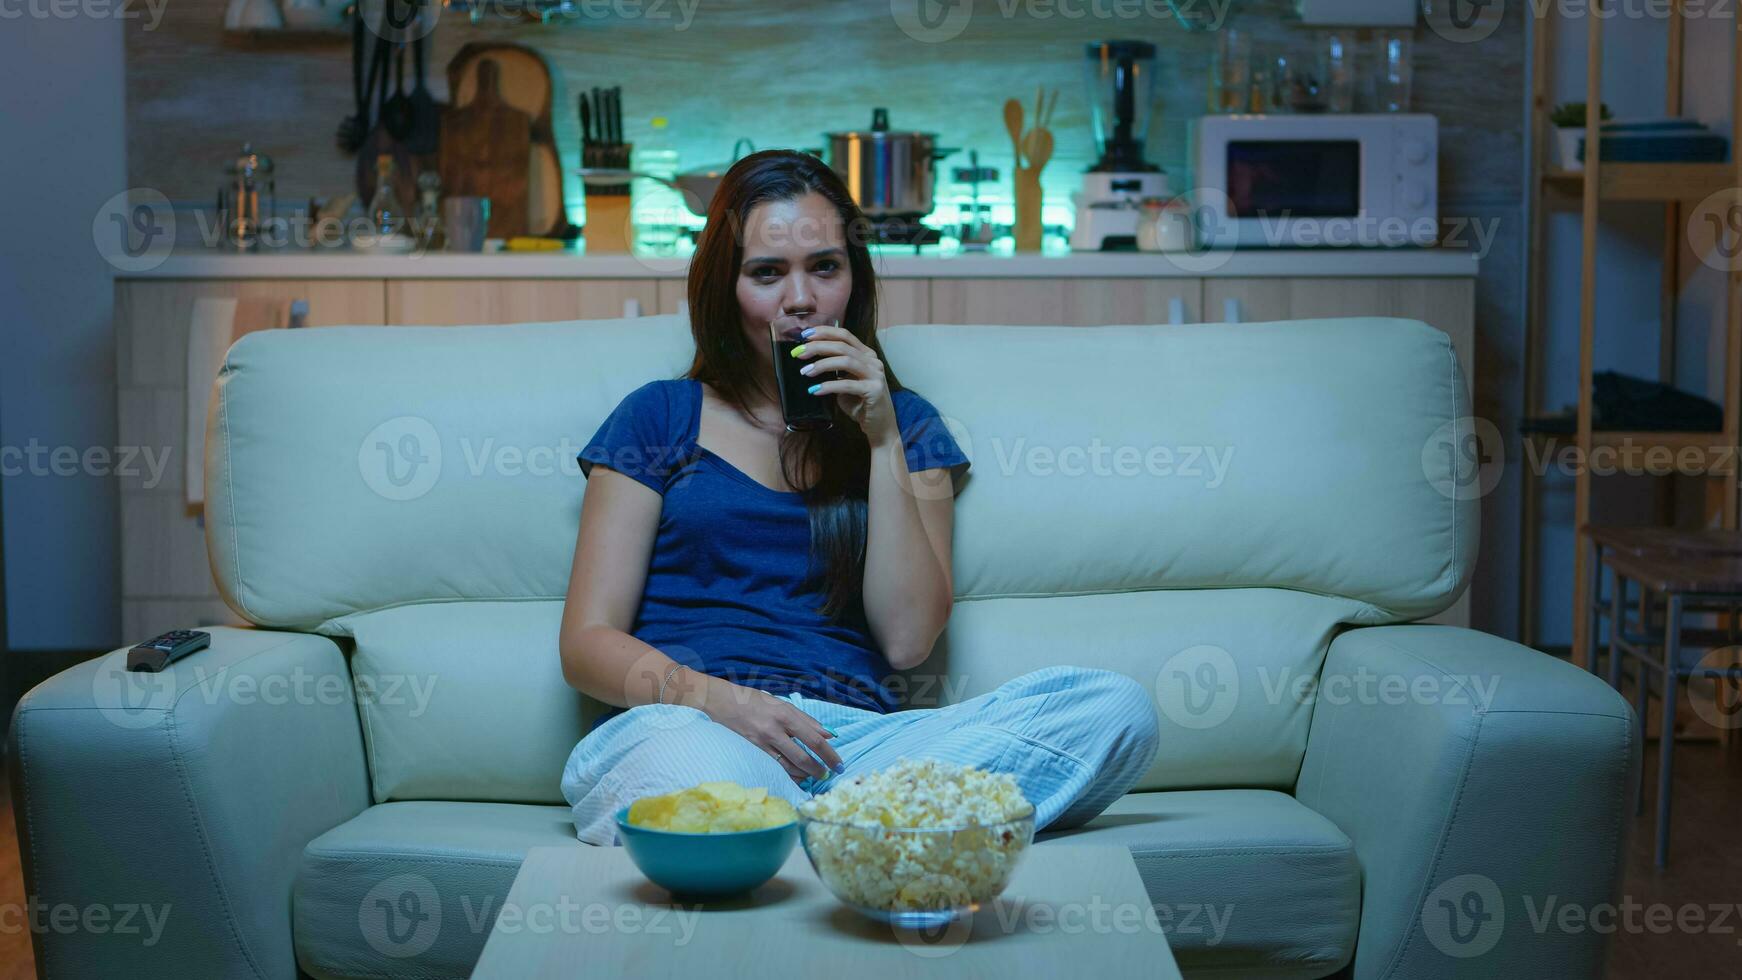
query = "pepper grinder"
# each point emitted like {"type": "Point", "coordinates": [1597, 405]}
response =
{"type": "Point", "coordinates": [239, 204]}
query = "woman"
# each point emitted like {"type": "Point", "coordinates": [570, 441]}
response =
{"type": "Point", "coordinates": [740, 593]}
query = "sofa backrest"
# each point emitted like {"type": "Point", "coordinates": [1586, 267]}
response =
{"type": "Point", "coordinates": [1197, 506]}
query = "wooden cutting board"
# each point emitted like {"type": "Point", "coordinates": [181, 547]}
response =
{"type": "Point", "coordinates": [523, 82]}
{"type": "Point", "coordinates": [486, 151]}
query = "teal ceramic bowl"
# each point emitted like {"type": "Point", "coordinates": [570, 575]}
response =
{"type": "Point", "coordinates": [707, 865]}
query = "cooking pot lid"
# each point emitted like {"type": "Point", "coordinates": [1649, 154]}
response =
{"type": "Point", "coordinates": [879, 129]}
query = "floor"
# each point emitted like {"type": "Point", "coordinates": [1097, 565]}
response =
{"type": "Point", "coordinates": [1705, 870]}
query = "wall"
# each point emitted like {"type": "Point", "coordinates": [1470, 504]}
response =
{"type": "Point", "coordinates": [61, 104]}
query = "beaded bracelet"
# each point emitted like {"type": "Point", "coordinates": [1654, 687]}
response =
{"type": "Point", "coordinates": [660, 697]}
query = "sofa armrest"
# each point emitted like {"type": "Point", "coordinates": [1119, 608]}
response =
{"type": "Point", "coordinates": [1481, 782]}
{"type": "Point", "coordinates": [161, 817]}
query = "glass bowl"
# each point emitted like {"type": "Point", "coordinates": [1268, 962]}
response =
{"type": "Point", "coordinates": [915, 877]}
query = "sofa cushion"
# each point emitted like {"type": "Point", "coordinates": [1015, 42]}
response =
{"type": "Point", "coordinates": [466, 701]}
{"type": "Point", "coordinates": [411, 889]}
{"type": "Point", "coordinates": [1247, 883]}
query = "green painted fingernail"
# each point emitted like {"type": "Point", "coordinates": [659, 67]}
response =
{"type": "Point", "coordinates": [796, 351]}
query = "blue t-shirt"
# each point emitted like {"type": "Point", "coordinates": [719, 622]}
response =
{"type": "Point", "coordinates": [725, 593]}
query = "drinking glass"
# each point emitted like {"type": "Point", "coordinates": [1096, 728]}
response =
{"type": "Point", "coordinates": [1392, 71]}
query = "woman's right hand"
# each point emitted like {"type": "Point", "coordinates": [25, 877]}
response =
{"type": "Point", "coordinates": [771, 724]}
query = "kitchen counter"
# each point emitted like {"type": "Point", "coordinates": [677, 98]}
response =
{"type": "Point", "coordinates": [894, 262]}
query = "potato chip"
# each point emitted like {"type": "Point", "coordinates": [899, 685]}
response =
{"type": "Point", "coordinates": [715, 807]}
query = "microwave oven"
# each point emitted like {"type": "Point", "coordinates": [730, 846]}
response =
{"type": "Point", "coordinates": [1319, 180]}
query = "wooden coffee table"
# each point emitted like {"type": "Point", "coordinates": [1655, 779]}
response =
{"type": "Point", "coordinates": [1070, 910]}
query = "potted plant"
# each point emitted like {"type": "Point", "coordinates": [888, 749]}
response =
{"type": "Point", "coordinates": [1568, 120]}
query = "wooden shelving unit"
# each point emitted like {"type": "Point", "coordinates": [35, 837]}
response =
{"type": "Point", "coordinates": [1674, 186]}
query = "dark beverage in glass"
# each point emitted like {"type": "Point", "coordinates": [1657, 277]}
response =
{"type": "Point", "coordinates": [801, 409]}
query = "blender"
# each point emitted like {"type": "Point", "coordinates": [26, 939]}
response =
{"type": "Point", "coordinates": [1121, 83]}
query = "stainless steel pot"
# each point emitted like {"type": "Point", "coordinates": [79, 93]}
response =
{"type": "Point", "coordinates": [889, 173]}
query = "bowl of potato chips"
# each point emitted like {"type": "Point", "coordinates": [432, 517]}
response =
{"type": "Point", "coordinates": [711, 840]}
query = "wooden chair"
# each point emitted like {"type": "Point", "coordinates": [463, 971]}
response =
{"type": "Point", "coordinates": [1688, 581]}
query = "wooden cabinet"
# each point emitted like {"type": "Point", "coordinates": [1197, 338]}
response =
{"type": "Point", "coordinates": [898, 300]}
{"type": "Point", "coordinates": [166, 580]}
{"type": "Point", "coordinates": [1082, 302]}
{"type": "Point", "coordinates": [1449, 304]}
{"type": "Point", "coordinates": [458, 302]}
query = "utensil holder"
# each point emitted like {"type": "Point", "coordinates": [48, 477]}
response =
{"type": "Point", "coordinates": [1027, 228]}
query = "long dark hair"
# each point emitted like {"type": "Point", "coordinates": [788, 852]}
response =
{"type": "Point", "coordinates": [839, 454]}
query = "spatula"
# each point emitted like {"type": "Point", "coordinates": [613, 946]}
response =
{"type": "Point", "coordinates": [1013, 123]}
{"type": "Point", "coordinates": [426, 115]}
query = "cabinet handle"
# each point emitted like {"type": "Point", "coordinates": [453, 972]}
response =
{"type": "Point", "coordinates": [631, 307]}
{"type": "Point", "coordinates": [1176, 311]}
{"type": "Point", "coordinates": [1231, 310]}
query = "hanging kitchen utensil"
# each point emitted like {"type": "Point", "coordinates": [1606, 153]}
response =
{"type": "Point", "coordinates": [355, 126]}
{"type": "Point", "coordinates": [426, 113]}
{"type": "Point", "coordinates": [379, 140]}
{"type": "Point", "coordinates": [396, 113]}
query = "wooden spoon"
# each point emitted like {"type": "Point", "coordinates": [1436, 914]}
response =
{"type": "Point", "coordinates": [1039, 147]}
{"type": "Point", "coordinates": [1013, 123]}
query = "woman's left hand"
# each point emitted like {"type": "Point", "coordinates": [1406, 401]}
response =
{"type": "Point", "coordinates": [864, 395]}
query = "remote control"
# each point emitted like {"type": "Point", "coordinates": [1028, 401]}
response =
{"type": "Point", "coordinates": [155, 654]}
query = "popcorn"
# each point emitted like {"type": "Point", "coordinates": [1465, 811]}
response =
{"type": "Point", "coordinates": [919, 835]}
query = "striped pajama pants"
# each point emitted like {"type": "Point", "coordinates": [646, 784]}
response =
{"type": "Point", "coordinates": [1075, 739]}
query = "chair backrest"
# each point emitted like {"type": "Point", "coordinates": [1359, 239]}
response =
{"type": "Point", "coordinates": [1197, 506]}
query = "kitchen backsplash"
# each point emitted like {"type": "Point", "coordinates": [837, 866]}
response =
{"type": "Point", "coordinates": [781, 72]}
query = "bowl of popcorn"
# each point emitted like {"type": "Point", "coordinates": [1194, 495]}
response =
{"type": "Point", "coordinates": [918, 844]}
{"type": "Point", "coordinates": [711, 840]}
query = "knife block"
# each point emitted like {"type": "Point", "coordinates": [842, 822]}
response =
{"type": "Point", "coordinates": [610, 229]}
